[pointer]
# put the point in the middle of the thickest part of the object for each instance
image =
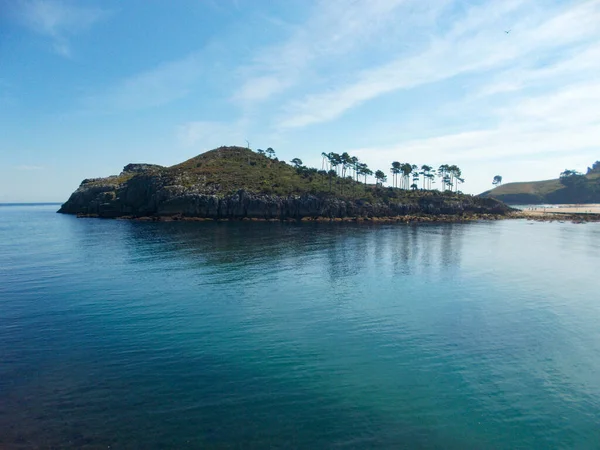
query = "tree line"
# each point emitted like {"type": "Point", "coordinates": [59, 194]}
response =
{"type": "Point", "coordinates": [404, 175]}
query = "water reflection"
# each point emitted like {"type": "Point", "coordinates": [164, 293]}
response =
{"type": "Point", "coordinates": [340, 250]}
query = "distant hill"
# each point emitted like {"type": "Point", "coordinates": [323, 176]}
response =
{"type": "Point", "coordinates": [571, 187]}
{"type": "Point", "coordinates": [238, 183]}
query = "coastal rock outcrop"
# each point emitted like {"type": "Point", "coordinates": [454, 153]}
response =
{"type": "Point", "coordinates": [144, 190]}
{"type": "Point", "coordinates": [144, 197]}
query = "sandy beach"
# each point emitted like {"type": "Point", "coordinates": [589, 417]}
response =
{"type": "Point", "coordinates": [563, 209]}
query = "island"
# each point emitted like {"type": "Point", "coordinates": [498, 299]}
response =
{"type": "Point", "coordinates": [236, 183]}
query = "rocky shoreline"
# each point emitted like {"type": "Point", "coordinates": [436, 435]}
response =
{"type": "Point", "coordinates": [556, 217]}
{"type": "Point", "coordinates": [411, 218]}
{"type": "Point", "coordinates": [444, 218]}
{"type": "Point", "coordinates": [145, 196]}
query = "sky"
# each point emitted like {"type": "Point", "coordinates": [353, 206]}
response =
{"type": "Point", "coordinates": [87, 87]}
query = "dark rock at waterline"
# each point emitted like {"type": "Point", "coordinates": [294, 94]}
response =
{"type": "Point", "coordinates": [144, 197]}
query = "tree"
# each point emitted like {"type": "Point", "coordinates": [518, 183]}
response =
{"type": "Point", "coordinates": [406, 171]}
{"type": "Point", "coordinates": [365, 171]}
{"type": "Point", "coordinates": [354, 163]}
{"type": "Point", "coordinates": [431, 180]}
{"type": "Point", "coordinates": [380, 177]}
{"type": "Point", "coordinates": [345, 160]}
{"type": "Point", "coordinates": [331, 174]}
{"type": "Point", "coordinates": [569, 173]}
{"type": "Point", "coordinates": [260, 151]}
{"type": "Point", "coordinates": [325, 160]}
{"type": "Point", "coordinates": [395, 171]}
{"type": "Point", "coordinates": [497, 180]}
{"type": "Point", "coordinates": [270, 153]}
{"type": "Point", "coordinates": [455, 173]}
{"type": "Point", "coordinates": [297, 162]}
{"type": "Point", "coordinates": [415, 179]}
{"type": "Point", "coordinates": [447, 182]}
{"type": "Point", "coordinates": [427, 176]}
{"type": "Point", "coordinates": [335, 160]}
{"type": "Point", "coordinates": [573, 179]}
{"type": "Point", "coordinates": [443, 173]}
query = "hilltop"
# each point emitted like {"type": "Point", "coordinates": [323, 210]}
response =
{"type": "Point", "coordinates": [238, 183]}
{"type": "Point", "coordinates": [571, 187]}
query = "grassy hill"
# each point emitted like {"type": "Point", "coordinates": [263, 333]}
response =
{"type": "Point", "coordinates": [549, 191]}
{"type": "Point", "coordinates": [226, 170]}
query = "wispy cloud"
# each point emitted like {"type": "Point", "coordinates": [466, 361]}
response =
{"type": "Point", "coordinates": [29, 168]}
{"type": "Point", "coordinates": [58, 20]}
{"type": "Point", "coordinates": [535, 130]}
{"type": "Point", "coordinates": [531, 95]}
{"type": "Point", "coordinates": [209, 134]}
{"type": "Point", "coordinates": [335, 28]}
{"type": "Point", "coordinates": [578, 63]}
{"type": "Point", "coordinates": [158, 86]}
{"type": "Point", "coordinates": [475, 44]}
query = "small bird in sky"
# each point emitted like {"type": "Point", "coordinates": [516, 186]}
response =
{"type": "Point", "coordinates": [507, 31]}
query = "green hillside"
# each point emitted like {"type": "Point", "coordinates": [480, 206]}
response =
{"type": "Point", "coordinates": [571, 187]}
{"type": "Point", "coordinates": [226, 170]}
{"type": "Point", "coordinates": [229, 169]}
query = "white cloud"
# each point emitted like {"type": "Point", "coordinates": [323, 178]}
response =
{"type": "Point", "coordinates": [59, 20]}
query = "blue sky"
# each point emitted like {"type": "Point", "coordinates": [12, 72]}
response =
{"type": "Point", "coordinates": [89, 86]}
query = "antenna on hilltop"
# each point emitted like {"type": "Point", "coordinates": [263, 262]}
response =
{"type": "Point", "coordinates": [248, 142]}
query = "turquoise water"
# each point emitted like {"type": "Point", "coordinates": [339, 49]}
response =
{"type": "Point", "coordinates": [254, 335]}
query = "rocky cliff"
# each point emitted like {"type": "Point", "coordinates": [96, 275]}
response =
{"type": "Point", "coordinates": [234, 183]}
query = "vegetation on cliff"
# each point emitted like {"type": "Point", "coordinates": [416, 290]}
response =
{"type": "Point", "coordinates": [570, 187]}
{"type": "Point", "coordinates": [235, 182]}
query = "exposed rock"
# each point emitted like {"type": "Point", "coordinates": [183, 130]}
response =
{"type": "Point", "coordinates": [139, 168]}
{"type": "Point", "coordinates": [189, 190]}
{"type": "Point", "coordinates": [144, 196]}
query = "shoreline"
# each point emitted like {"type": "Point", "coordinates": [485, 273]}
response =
{"type": "Point", "coordinates": [557, 216]}
{"type": "Point", "coordinates": [442, 218]}
{"type": "Point", "coordinates": [583, 208]}
{"type": "Point", "coordinates": [412, 218]}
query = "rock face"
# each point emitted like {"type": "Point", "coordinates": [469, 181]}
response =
{"type": "Point", "coordinates": [139, 168]}
{"type": "Point", "coordinates": [144, 190]}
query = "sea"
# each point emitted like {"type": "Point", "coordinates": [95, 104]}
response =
{"type": "Point", "coordinates": [178, 335]}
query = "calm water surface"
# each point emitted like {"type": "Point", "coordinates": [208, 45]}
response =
{"type": "Point", "coordinates": [206, 335]}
